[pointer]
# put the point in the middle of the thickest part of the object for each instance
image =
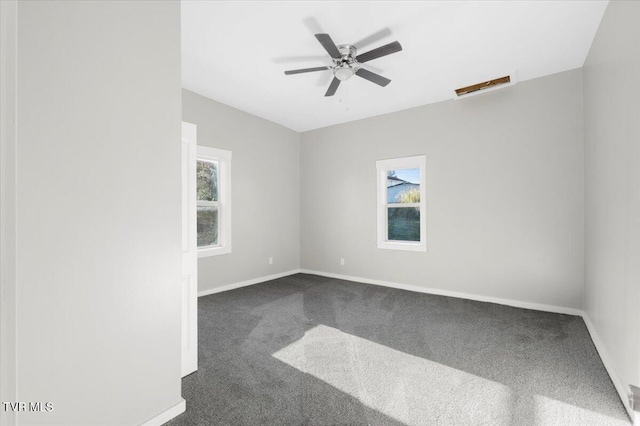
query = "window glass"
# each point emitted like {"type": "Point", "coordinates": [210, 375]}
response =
{"type": "Point", "coordinates": [403, 186]}
{"type": "Point", "coordinates": [403, 223]}
{"type": "Point", "coordinates": [208, 204]}
{"type": "Point", "coordinates": [207, 175]}
{"type": "Point", "coordinates": [207, 226]}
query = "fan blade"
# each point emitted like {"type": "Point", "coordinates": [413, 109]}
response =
{"type": "Point", "coordinates": [373, 38]}
{"type": "Point", "coordinates": [300, 71]}
{"type": "Point", "coordinates": [333, 87]}
{"type": "Point", "coordinates": [373, 77]}
{"type": "Point", "coordinates": [385, 50]}
{"type": "Point", "coordinates": [329, 45]}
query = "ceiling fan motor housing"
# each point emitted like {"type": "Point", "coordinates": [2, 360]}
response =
{"type": "Point", "coordinates": [348, 51]}
{"type": "Point", "coordinates": [347, 65]}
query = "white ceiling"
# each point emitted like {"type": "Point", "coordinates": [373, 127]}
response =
{"type": "Point", "coordinates": [236, 52]}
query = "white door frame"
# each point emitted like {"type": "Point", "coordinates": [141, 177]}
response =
{"type": "Point", "coordinates": [189, 282]}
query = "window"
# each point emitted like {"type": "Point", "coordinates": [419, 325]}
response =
{"type": "Point", "coordinates": [402, 203]}
{"type": "Point", "coordinates": [213, 174]}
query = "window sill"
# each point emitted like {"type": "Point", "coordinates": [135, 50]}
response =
{"type": "Point", "coordinates": [213, 251]}
{"type": "Point", "coordinates": [402, 246]}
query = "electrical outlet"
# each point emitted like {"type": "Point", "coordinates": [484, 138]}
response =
{"type": "Point", "coordinates": [342, 260]}
{"type": "Point", "coordinates": [271, 261]}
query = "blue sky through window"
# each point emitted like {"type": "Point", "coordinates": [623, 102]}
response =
{"type": "Point", "coordinates": [410, 175]}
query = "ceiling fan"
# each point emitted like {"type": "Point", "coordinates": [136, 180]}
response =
{"type": "Point", "coordinates": [347, 62]}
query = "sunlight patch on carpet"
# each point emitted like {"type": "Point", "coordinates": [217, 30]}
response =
{"type": "Point", "coordinates": [405, 387]}
{"type": "Point", "coordinates": [550, 411]}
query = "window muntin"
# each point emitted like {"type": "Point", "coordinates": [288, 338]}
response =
{"type": "Point", "coordinates": [401, 203]}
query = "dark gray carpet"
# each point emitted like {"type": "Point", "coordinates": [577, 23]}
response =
{"type": "Point", "coordinates": [309, 350]}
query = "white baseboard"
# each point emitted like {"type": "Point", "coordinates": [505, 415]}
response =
{"type": "Point", "coordinates": [167, 415]}
{"type": "Point", "coordinates": [622, 389]}
{"type": "Point", "coordinates": [247, 283]}
{"type": "Point", "coordinates": [460, 295]}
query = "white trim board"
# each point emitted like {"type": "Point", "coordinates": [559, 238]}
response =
{"type": "Point", "coordinates": [167, 415]}
{"type": "Point", "coordinates": [247, 282]}
{"type": "Point", "coordinates": [408, 287]}
{"type": "Point", "coordinates": [618, 383]}
{"type": "Point", "coordinates": [459, 295]}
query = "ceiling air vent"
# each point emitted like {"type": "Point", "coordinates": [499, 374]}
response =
{"type": "Point", "coordinates": [485, 86]}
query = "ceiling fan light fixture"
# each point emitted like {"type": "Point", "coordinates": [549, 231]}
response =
{"type": "Point", "coordinates": [343, 72]}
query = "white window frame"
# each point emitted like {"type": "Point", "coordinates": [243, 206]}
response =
{"type": "Point", "coordinates": [223, 158]}
{"type": "Point", "coordinates": [384, 166]}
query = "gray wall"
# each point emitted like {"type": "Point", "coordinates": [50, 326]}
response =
{"type": "Point", "coordinates": [98, 234]}
{"type": "Point", "coordinates": [504, 194]}
{"type": "Point", "coordinates": [265, 192]}
{"type": "Point", "coordinates": [8, 79]}
{"type": "Point", "coordinates": [612, 144]}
